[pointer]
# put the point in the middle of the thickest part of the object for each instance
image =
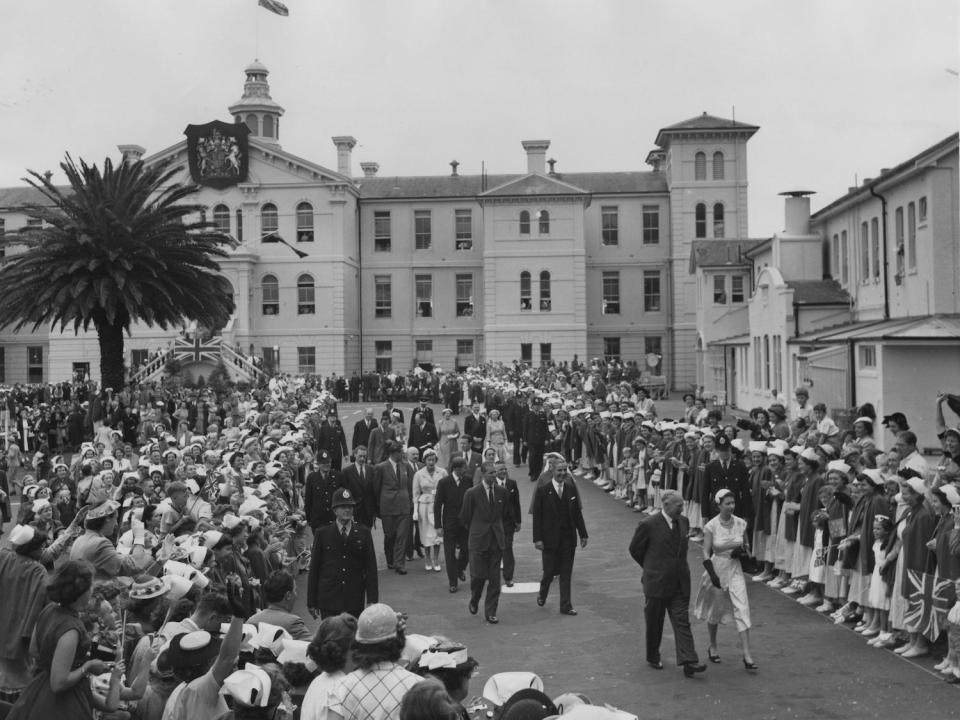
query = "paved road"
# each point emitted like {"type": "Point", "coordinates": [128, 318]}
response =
{"type": "Point", "coordinates": [808, 667]}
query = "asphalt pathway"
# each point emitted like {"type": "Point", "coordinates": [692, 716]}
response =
{"type": "Point", "coordinates": [809, 668]}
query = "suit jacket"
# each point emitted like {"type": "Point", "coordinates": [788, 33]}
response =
{"type": "Point", "coordinates": [448, 500]}
{"type": "Point", "coordinates": [343, 573]}
{"type": "Point", "coordinates": [393, 491]}
{"type": "Point", "coordinates": [476, 428]}
{"type": "Point", "coordinates": [377, 444]}
{"type": "Point", "coordinates": [473, 459]}
{"type": "Point", "coordinates": [423, 438]}
{"type": "Point", "coordinates": [362, 489]}
{"type": "Point", "coordinates": [548, 509]}
{"type": "Point", "coordinates": [318, 494]}
{"type": "Point", "coordinates": [735, 478]}
{"type": "Point", "coordinates": [662, 553]}
{"type": "Point", "coordinates": [483, 520]}
{"type": "Point", "coordinates": [361, 433]}
{"type": "Point", "coordinates": [331, 438]}
{"type": "Point", "coordinates": [511, 513]}
{"type": "Point", "coordinates": [427, 413]}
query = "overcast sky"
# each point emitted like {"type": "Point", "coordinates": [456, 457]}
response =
{"type": "Point", "coordinates": [838, 88]}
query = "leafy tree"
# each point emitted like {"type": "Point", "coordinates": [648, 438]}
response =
{"type": "Point", "coordinates": [116, 247]}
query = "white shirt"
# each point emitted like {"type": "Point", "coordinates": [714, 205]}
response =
{"type": "Point", "coordinates": [668, 519]}
{"type": "Point", "coordinates": [559, 488]}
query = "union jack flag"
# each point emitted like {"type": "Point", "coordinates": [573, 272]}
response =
{"type": "Point", "coordinates": [928, 602]}
{"type": "Point", "coordinates": [197, 349]}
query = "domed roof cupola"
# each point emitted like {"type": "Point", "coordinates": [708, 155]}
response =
{"type": "Point", "coordinates": [256, 108]}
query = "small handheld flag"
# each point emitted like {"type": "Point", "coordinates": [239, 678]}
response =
{"type": "Point", "coordinates": [274, 6]}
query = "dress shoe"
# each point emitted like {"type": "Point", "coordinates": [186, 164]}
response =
{"type": "Point", "coordinates": [509, 583]}
{"type": "Point", "coordinates": [714, 658]}
{"type": "Point", "coordinates": [568, 611]}
{"type": "Point", "coordinates": [401, 571]}
{"type": "Point", "coordinates": [655, 664]}
{"type": "Point", "coordinates": [462, 575]}
{"type": "Point", "coordinates": [541, 601]}
{"type": "Point", "coordinates": [952, 679]}
{"type": "Point", "coordinates": [390, 566]}
{"type": "Point", "coordinates": [453, 588]}
{"type": "Point", "coordinates": [916, 652]}
{"type": "Point", "coordinates": [492, 619]}
{"type": "Point", "coordinates": [750, 666]}
{"type": "Point", "coordinates": [473, 607]}
{"type": "Point", "coordinates": [691, 669]}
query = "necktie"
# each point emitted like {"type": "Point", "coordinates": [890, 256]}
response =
{"type": "Point", "coordinates": [490, 494]}
{"type": "Point", "coordinates": [343, 531]}
{"type": "Point", "coordinates": [559, 488]}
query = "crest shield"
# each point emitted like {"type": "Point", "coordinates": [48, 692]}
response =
{"type": "Point", "coordinates": [218, 153]}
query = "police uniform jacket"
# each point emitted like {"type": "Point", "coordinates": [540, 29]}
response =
{"type": "Point", "coordinates": [343, 572]}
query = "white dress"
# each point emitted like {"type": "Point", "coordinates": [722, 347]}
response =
{"type": "Point", "coordinates": [714, 605]}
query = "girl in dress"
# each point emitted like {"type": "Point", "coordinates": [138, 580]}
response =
{"type": "Point", "coordinates": [640, 475]}
{"type": "Point", "coordinates": [761, 480]}
{"type": "Point", "coordinates": [425, 482]}
{"type": "Point", "coordinates": [723, 589]}
{"type": "Point", "coordinates": [878, 597]}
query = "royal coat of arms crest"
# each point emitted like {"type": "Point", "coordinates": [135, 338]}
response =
{"type": "Point", "coordinates": [218, 153]}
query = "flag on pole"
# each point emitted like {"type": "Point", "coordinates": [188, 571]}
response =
{"type": "Point", "coordinates": [274, 6]}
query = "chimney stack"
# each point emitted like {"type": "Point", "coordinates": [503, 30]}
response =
{"type": "Point", "coordinates": [536, 155]}
{"type": "Point", "coordinates": [131, 153]}
{"type": "Point", "coordinates": [797, 212]}
{"type": "Point", "coordinates": [369, 168]}
{"type": "Point", "coordinates": [454, 164]}
{"type": "Point", "coordinates": [345, 144]}
{"type": "Point", "coordinates": [552, 163]}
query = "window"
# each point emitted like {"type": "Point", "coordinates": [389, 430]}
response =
{"type": "Point", "coordinates": [526, 294]}
{"type": "Point", "coordinates": [901, 247]}
{"type": "Point", "coordinates": [381, 231]}
{"type": "Point", "coordinates": [463, 220]}
{"type": "Point", "coordinates": [35, 364]}
{"type": "Point", "coordinates": [464, 295]}
{"type": "Point", "coordinates": [756, 362]}
{"type": "Point", "coordinates": [383, 356]}
{"type": "Point", "coordinates": [3, 252]}
{"type": "Point", "coordinates": [844, 258]}
{"type": "Point", "coordinates": [777, 360]}
{"type": "Point", "coordinates": [424, 351]}
{"type": "Point", "coordinates": [611, 349]}
{"type": "Point", "coordinates": [33, 223]}
{"type": "Point", "coordinates": [221, 219]}
{"type": "Point", "coordinates": [253, 124]}
{"type": "Point", "coordinates": [700, 166]}
{"type": "Point", "coordinates": [651, 225]}
{"type": "Point", "coordinates": [383, 302]}
{"type": "Point", "coordinates": [545, 291]}
{"type": "Point", "coordinates": [868, 357]}
{"type": "Point", "coordinates": [546, 353]}
{"type": "Point", "coordinates": [269, 222]}
{"type": "Point", "coordinates": [610, 225]}
{"type": "Point", "coordinates": [304, 222]}
{"type": "Point", "coordinates": [3, 365]}
{"type": "Point", "coordinates": [736, 290]}
{"type": "Point", "coordinates": [718, 220]}
{"type": "Point", "coordinates": [700, 221]}
{"type": "Point", "coordinates": [81, 372]}
{"type": "Point", "coordinates": [611, 292]}
{"type": "Point", "coordinates": [875, 244]}
{"type": "Point", "coordinates": [911, 237]}
{"type": "Point", "coordinates": [271, 295]}
{"type": "Point", "coordinates": [138, 358]}
{"type": "Point", "coordinates": [306, 295]}
{"type": "Point", "coordinates": [654, 346]}
{"type": "Point", "coordinates": [544, 223]}
{"type": "Point", "coordinates": [268, 126]}
{"type": "Point", "coordinates": [465, 347]}
{"type": "Point", "coordinates": [524, 222]}
{"type": "Point", "coordinates": [306, 360]}
{"type": "Point", "coordinates": [422, 230]}
{"type": "Point", "coordinates": [526, 352]}
{"type": "Point", "coordinates": [424, 293]}
{"type": "Point", "coordinates": [718, 165]}
{"type": "Point", "coordinates": [922, 203]}
{"type": "Point", "coordinates": [719, 289]}
{"type": "Point", "coordinates": [766, 362]}
{"type": "Point", "coordinates": [835, 264]}
{"type": "Point", "coordinates": [864, 253]}
{"type": "Point", "coordinates": [239, 225]}
{"type": "Point", "coordinates": [651, 290]}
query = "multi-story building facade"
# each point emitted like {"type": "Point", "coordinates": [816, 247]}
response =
{"type": "Point", "coordinates": [341, 273]}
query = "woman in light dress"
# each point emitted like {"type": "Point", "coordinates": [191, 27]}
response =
{"type": "Point", "coordinates": [497, 435]}
{"type": "Point", "coordinates": [425, 482]}
{"type": "Point", "coordinates": [723, 590]}
{"type": "Point", "coordinates": [449, 431]}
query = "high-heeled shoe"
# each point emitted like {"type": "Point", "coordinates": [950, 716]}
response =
{"type": "Point", "coordinates": [711, 657]}
{"type": "Point", "coordinates": [750, 666]}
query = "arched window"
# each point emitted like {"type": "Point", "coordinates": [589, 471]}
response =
{"type": "Point", "coordinates": [221, 219]}
{"type": "Point", "coordinates": [271, 295]}
{"type": "Point", "coordinates": [700, 166]}
{"type": "Point", "coordinates": [306, 295]}
{"type": "Point", "coordinates": [269, 222]}
{"type": "Point", "coordinates": [268, 126]}
{"type": "Point", "coordinates": [253, 124]}
{"type": "Point", "coordinates": [718, 220]}
{"type": "Point", "coordinates": [526, 293]}
{"type": "Point", "coordinates": [700, 221]}
{"type": "Point", "coordinates": [545, 304]}
{"type": "Point", "coordinates": [718, 165]}
{"type": "Point", "coordinates": [524, 222]}
{"type": "Point", "coordinates": [304, 222]}
{"type": "Point", "coordinates": [544, 223]}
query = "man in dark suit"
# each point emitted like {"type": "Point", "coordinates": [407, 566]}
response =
{"type": "Point", "coordinates": [332, 439]}
{"type": "Point", "coordinates": [482, 515]}
{"type": "Point", "coordinates": [659, 546]}
{"type": "Point", "coordinates": [343, 565]}
{"type": "Point", "coordinates": [446, 519]}
{"type": "Point", "coordinates": [390, 411]}
{"type": "Point", "coordinates": [358, 478]}
{"type": "Point", "coordinates": [426, 410]}
{"type": "Point", "coordinates": [514, 413]}
{"type": "Point", "coordinates": [471, 459]}
{"type": "Point", "coordinates": [511, 519]}
{"type": "Point", "coordinates": [452, 393]}
{"type": "Point", "coordinates": [557, 521]}
{"type": "Point", "coordinates": [318, 493]}
{"type": "Point", "coordinates": [726, 473]}
{"type": "Point", "coordinates": [378, 440]}
{"type": "Point", "coordinates": [423, 434]}
{"type": "Point", "coordinates": [536, 432]}
{"type": "Point", "coordinates": [475, 425]}
{"type": "Point", "coordinates": [362, 429]}
{"type": "Point", "coordinates": [393, 495]}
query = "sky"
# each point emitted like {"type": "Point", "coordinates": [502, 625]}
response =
{"type": "Point", "coordinates": [839, 88]}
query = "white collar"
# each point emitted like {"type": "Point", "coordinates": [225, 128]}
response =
{"type": "Point", "coordinates": [669, 519]}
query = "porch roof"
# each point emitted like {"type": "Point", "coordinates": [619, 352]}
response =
{"type": "Point", "coordinates": [943, 328]}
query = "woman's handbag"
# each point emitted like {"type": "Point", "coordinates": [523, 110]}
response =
{"type": "Point", "coordinates": [748, 563]}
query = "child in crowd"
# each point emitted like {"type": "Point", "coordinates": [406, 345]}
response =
{"type": "Point", "coordinates": [879, 596]}
{"type": "Point", "coordinates": [625, 474]}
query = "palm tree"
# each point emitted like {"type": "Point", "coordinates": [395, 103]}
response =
{"type": "Point", "coordinates": [115, 247]}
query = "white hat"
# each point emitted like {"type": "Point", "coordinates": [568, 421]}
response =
{"type": "Point", "coordinates": [250, 686]}
{"type": "Point", "coordinates": [230, 521]}
{"type": "Point", "coordinates": [916, 484]}
{"type": "Point", "coordinates": [251, 504]}
{"type": "Point", "coordinates": [266, 487]}
{"type": "Point", "coordinates": [873, 475]}
{"type": "Point", "coordinates": [39, 504]}
{"type": "Point", "coordinates": [811, 455]}
{"type": "Point", "coordinates": [838, 466]}
{"type": "Point", "coordinates": [295, 651]}
{"type": "Point", "coordinates": [22, 534]}
{"type": "Point", "coordinates": [270, 637]}
{"type": "Point", "coordinates": [758, 446]}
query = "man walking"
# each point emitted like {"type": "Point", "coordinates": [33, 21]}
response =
{"type": "Point", "coordinates": [659, 546]}
{"type": "Point", "coordinates": [482, 515]}
{"type": "Point", "coordinates": [511, 519]}
{"type": "Point", "coordinates": [393, 495]}
{"type": "Point", "coordinates": [446, 519]}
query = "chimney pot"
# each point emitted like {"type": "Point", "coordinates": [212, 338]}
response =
{"type": "Point", "coordinates": [851, 188]}
{"type": "Point", "coordinates": [884, 171]}
{"type": "Point", "coordinates": [345, 145]}
{"type": "Point", "coordinates": [867, 181]}
{"type": "Point", "coordinates": [369, 168]}
{"type": "Point", "coordinates": [453, 168]}
{"type": "Point", "coordinates": [536, 155]}
{"type": "Point", "coordinates": [551, 162]}
{"type": "Point", "coordinates": [131, 153]}
{"type": "Point", "coordinates": [797, 212]}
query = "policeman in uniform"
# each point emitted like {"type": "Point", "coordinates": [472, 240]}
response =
{"type": "Point", "coordinates": [318, 492]}
{"type": "Point", "coordinates": [343, 566]}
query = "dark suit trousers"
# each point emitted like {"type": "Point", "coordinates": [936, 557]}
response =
{"type": "Point", "coordinates": [558, 562]}
{"type": "Point", "coordinates": [455, 561]}
{"type": "Point", "coordinates": [395, 529]}
{"type": "Point", "coordinates": [488, 562]}
{"type": "Point", "coordinates": [535, 459]}
{"type": "Point", "coordinates": [519, 452]}
{"type": "Point", "coordinates": [509, 561]}
{"type": "Point", "coordinates": [678, 608]}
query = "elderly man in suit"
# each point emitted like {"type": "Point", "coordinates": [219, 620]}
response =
{"type": "Point", "coordinates": [475, 426]}
{"type": "Point", "coordinates": [362, 429]}
{"type": "Point", "coordinates": [393, 496]}
{"type": "Point", "coordinates": [423, 434]}
{"type": "Point", "coordinates": [482, 515]}
{"type": "Point", "coordinates": [471, 459]}
{"type": "Point", "coordinates": [557, 521]}
{"type": "Point", "coordinates": [378, 439]}
{"type": "Point", "coordinates": [358, 477]}
{"type": "Point", "coordinates": [659, 546]}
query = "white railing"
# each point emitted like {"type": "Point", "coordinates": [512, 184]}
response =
{"type": "Point", "coordinates": [241, 363]}
{"type": "Point", "coordinates": [149, 370]}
